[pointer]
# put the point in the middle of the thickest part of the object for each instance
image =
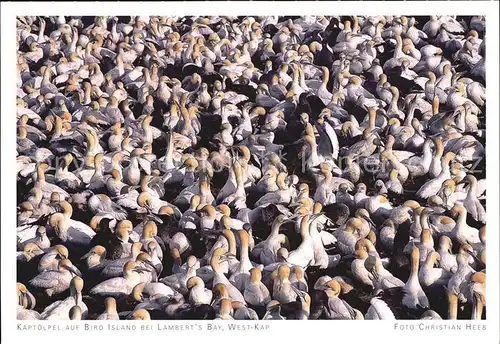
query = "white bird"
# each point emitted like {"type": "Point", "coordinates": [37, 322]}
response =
{"type": "Point", "coordinates": [59, 310]}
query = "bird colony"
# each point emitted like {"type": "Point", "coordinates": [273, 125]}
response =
{"type": "Point", "coordinates": [316, 167]}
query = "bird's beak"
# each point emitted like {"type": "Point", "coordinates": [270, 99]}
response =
{"type": "Point", "coordinates": [227, 256]}
{"type": "Point", "coordinates": [267, 313]}
{"type": "Point", "coordinates": [74, 270]}
{"type": "Point", "coordinates": [367, 218]}
{"type": "Point", "coordinates": [140, 269]}
{"type": "Point", "coordinates": [150, 264]}
{"type": "Point", "coordinates": [473, 255]}
{"type": "Point", "coordinates": [439, 210]}
{"type": "Point", "coordinates": [61, 256]}
{"type": "Point", "coordinates": [298, 292]}
{"type": "Point", "coordinates": [86, 255]}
